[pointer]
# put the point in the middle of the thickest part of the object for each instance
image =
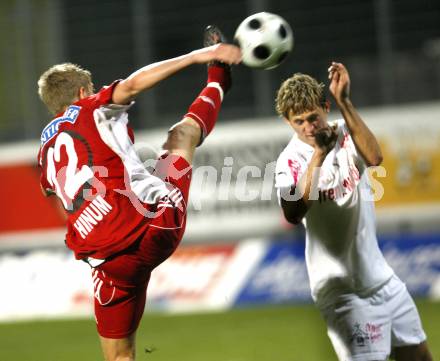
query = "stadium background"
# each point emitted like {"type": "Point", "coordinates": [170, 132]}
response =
{"type": "Point", "coordinates": [236, 253]}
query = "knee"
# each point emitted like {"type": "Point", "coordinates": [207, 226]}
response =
{"type": "Point", "coordinates": [183, 134]}
{"type": "Point", "coordinates": [122, 349]}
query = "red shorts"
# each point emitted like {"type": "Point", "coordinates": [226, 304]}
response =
{"type": "Point", "coordinates": [120, 283]}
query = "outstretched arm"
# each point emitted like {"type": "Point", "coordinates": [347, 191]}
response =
{"type": "Point", "coordinates": [150, 75]}
{"type": "Point", "coordinates": [365, 141]}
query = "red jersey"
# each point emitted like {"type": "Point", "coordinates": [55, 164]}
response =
{"type": "Point", "coordinates": [86, 175]}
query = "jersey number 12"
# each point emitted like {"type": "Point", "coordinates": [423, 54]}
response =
{"type": "Point", "coordinates": [73, 178]}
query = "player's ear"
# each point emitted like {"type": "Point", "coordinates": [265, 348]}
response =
{"type": "Point", "coordinates": [83, 93]}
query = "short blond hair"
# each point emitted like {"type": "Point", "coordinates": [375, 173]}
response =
{"type": "Point", "coordinates": [298, 94]}
{"type": "Point", "coordinates": [58, 86]}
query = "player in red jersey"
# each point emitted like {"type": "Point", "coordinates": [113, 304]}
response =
{"type": "Point", "coordinates": [122, 219]}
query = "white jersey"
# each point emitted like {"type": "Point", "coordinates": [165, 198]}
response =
{"type": "Point", "coordinates": [342, 252]}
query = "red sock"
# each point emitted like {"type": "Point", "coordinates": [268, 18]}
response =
{"type": "Point", "coordinates": [221, 75]}
{"type": "Point", "coordinates": [204, 110]}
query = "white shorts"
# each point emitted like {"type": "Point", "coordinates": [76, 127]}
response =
{"type": "Point", "coordinates": [366, 329]}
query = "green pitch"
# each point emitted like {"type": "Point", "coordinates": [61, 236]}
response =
{"type": "Point", "coordinates": [285, 333]}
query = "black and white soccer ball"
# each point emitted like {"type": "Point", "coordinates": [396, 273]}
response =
{"type": "Point", "coordinates": [265, 40]}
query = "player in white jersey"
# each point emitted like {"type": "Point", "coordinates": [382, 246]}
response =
{"type": "Point", "coordinates": [321, 178]}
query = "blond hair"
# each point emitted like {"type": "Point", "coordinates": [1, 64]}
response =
{"type": "Point", "coordinates": [298, 94]}
{"type": "Point", "coordinates": [58, 86]}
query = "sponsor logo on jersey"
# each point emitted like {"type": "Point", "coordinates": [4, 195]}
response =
{"type": "Point", "coordinates": [70, 115]}
{"type": "Point", "coordinates": [347, 186]}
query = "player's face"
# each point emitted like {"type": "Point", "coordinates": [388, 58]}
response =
{"type": "Point", "coordinates": [308, 123]}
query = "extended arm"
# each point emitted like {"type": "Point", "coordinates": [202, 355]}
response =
{"type": "Point", "coordinates": [150, 75]}
{"type": "Point", "coordinates": [365, 141]}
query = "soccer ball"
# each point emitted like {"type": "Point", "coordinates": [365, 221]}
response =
{"type": "Point", "coordinates": [265, 40]}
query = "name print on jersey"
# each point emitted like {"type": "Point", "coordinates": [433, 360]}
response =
{"type": "Point", "coordinates": [91, 215]}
